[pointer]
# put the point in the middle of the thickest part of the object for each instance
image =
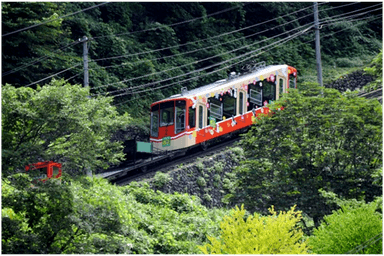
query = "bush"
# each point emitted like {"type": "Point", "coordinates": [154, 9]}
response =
{"type": "Point", "coordinates": [161, 179]}
{"type": "Point", "coordinates": [201, 182]}
{"type": "Point", "coordinates": [351, 229]}
{"type": "Point", "coordinates": [258, 234]}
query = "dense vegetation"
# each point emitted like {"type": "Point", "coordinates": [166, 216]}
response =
{"type": "Point", "coordinates": [322, 153]}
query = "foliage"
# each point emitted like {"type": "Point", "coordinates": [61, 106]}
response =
{"type": "Point", "coordinates": [321, 139]}
{"type": "Point", "coordinates": [375, 69]}
{"type": "Point", "coordinates": [92, 216]}
{"type": "Point", "coordinates": [58, 122]}
{"type": "Point", "coordinates": [351, 229]}
{"type": "Point", "coordinates": [161, 179]}
{"type": "Point", "coordinates": [256, 234]}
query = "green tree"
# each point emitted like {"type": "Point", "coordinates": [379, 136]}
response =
{"type": "Point", "coordinates": [322, 139]}
{"type": "Point", "coordinates": [355, 228]}
{"type": "Point", "coordinates": [375, 69]}
{"type": "Point", "coordinates": [58, 122]}
{"type": "Point", "coordinates": [276, 234]}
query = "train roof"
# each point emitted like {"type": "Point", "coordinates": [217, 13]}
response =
{"type": "Point", "coordinates": [227, 82]}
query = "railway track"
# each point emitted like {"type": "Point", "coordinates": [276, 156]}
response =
{"type": "Point", "coordinates": [376, 94]}
{"type": "Point", "coordinates": [122, 176]}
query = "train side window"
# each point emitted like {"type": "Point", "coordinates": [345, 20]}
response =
{"type": "Point", "coordinates": [180, 116]}
{"type": "Point", "coordinates": [292, 82]}
{"type": "Point", "coordinates": [55, 171]}
{"type": "Point", "coordinates": [166, 113]}
{"type": "Point", "coordinates": [201, 117]}
{"type": "Point", "coordinates": [191, 117]}
{"type": "Point", "coordinates": [155, 124]}
{"type": "Point", "coordinates": [229, 106]}
{"type": "Point", "coordinates": [269, 92]}
{"type": "Point", "coordinates": [241, 103]}
{"type": "Point", "coordinates": [255, 93]}
{"type": "Point", "coordinates": [281, 86]}
{"type": "Point", "coordinates": [215, 110]}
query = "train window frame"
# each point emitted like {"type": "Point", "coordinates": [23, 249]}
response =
{"type": "Point", "coordinates": [180, 110]}
{"type": "Point", "coordinates": [191, 118]}
{"type": "Point", "coordinates": [229, 106]}
{"type": "Point", "coordinates": [155, 133]}
{"type": "Point", "coordinates": [167, 108]}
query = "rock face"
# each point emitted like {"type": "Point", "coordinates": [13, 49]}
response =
{"type": "Point", "coordinates": [210, 178]}
{"type": "Point", "coordinates": [352, 81]}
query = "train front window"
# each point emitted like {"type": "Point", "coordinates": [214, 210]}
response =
{"type": "Point", "coordinates": [292, 81]}
{"type": "Point", "coordinates": [55, 171]}
{"type": "Point", "coordinates": [38, 174]}
{"type": "Point", "coordinates": [166, 113]}
{"type": "Point", "coordinates": [180, 116]}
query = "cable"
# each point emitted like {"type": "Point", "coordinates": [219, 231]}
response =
{"type": "Point", "coordinates": [327, 18]}
{"type": "Point", "coordinates": [195, 62]}
{"type": "Point", "coordinates": [352, 16]}
{"type": "Point", "coordinates": [198, 41]}
{"type": "Point", "coordinates": [52, 75]}
{"type": "Point", "coordinates": [38, 60]}
{"type": "Point", "coordinates": [199, 49]}
{"type": "Point", "coordinates": [202, 69]}
{"type": "Point", "coordinates": [216, 70]}
{"type": "Point", "coordinates": [48, 21]}
{"type": "Point", "coordinates": [164, 71]}
{"type": "Point", "coordinates": [174, 24]}
{"type": "Point", "coordinates": [366, 244]}
{"type": "Point", "coordinates": [194, 78]}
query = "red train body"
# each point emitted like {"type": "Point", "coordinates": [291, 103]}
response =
{"type": "Point", "coordinates": [43, 171]}
{"type": "Point", "coordinates": [197, 116]}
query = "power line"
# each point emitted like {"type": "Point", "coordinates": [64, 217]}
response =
{"type": "Point", "coordinates": [220, 69]}
{"type": "Point", "coordinates": [350, 16]}
{"type": "Point", "coordinates": [198, 41]}
{"type": "Point", "coordinates": [48, 21]}
{"type": "Point", "coordinates": [37, 60]}
{"type": "Point", "coordinates": [174, 24]}
{"type": "Point", "coordinates": [195, 62]}
{"type": "Point", "coordinates": [200, 49]}
{"type": "Point", "coordinates": [52, 75]}
{"type": "Point", "coordinates": [202, 69]}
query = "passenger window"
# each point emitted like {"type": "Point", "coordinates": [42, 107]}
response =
{"type": "Point", "coordinates": [269, 92]}
{"type": "Point", "coordinates": [229, 106]}
{"type": "Point", "coordinates": [255, 92]}
{"type": "Point", "coordinates": [201, 117]}
{"type": "Point", "coordinates": [180, 116]}
{"type": "Point", "coordinates": [215, 109]}
{"type": "Point", "coordinates": [292, 81]}
{"type": "Point", "coordinates": [281, 87]}
{"type": "Point", "coordinates": [241, 103]}
{"type": "Point", "coordinates": [55, 171]}
{"type": "Point", "coordinates": [155, 124]}
{"type": "Point", "coordinates": [192, 117]}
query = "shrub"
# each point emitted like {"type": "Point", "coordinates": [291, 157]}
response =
{"type": "Point", "coordinates": [219, 167]}
{"type": "Point", "coordinates": [351, 229]}
{"type": "Point", "coordinates": [258, 234]}
{"type": "Point", "coordinates": [201, 182]}
{"type": "Point", "coordinates": [161, 179]}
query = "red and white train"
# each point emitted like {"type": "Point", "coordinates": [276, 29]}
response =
{"type": "Point", "coordinates": [208, 112]}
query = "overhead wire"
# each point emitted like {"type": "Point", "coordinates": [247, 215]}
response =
{"type": "Point", "coordinates": [152, 89]}
{"type": "Point", "coordinates": [38, 60]}
{"type": "Point", "coordinates": [195, 62]}
{"type": "Point", "coordinates": [202, 69]}
{"type": "Point", "coordinates": [65, 70]}
{"type": "Point", "coordinates": [201, 60]}
{"type": "Point", "coordinates": [174, 24]}
{"type": "Point", "coordinates": [48, 21]}
{"type": "Point", "coordinates": [198, 41]}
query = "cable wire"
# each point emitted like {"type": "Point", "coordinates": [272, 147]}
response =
{"type": "Point", "coordinates": [53, 75]}
{"type": "Point", "coordinates": [202, 69]}
{"type": "Point", "coordinates": [174, 24]}
{"type": "Point", "coordinates": [198, 41]}
{"type": "Point", "coordinates": [48, 21]}
{"type": "Point", "coordinates": [38, 60]}
{"type": "Point", "coordinates": [195, 62]}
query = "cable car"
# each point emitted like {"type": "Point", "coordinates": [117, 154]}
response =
{"type": "Point", "coordinates": [43, 171]}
